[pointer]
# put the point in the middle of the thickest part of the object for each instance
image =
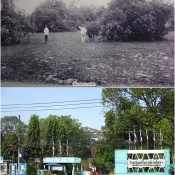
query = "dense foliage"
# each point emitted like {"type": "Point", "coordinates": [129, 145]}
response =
{"type": "Point", "coordinates": [10, 147]}
{"type": "Point", "coordinates": [57, 129]}
{"type": "Point", "coordinates": [135, 20]}
{"type": "Point", "coordinates": [40, 136]}
{"type": "Point", "coordinates": [33, 137]}
{"type": "Point", "coordinates": [58, 17]}
{"type": "Point", "coordinates": [151, 109]}
{"type": "Point", "coordinates": [10, 124]}
{"type": "Point", "coordinates": [93, 30]}
{"type": "Point", "coordinates": [121, 20]}
{"type": "Point", "coordinates": [15, 26]}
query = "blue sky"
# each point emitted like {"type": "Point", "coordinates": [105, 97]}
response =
{"type": "Point", "coordinates": [91, 117]}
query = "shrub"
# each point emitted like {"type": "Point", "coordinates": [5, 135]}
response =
{"type": "Point", "coordinates": [31, 168]}
{"type": "Point", "coordinates": [135, 20]}
{"type": "Point", "coordinates": [15, 25]}
{"type": "Point", "coordinates": [93, 30]}
{"type": "Point", "coordinates": [111, 28]}
{"type": "Point", "coordinates": [58, 172]}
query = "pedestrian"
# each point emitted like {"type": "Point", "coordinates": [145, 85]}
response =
{"type": "Point", "coordinates": [83, 32]}
{"type": "Point", "coordinates": [46, 34]}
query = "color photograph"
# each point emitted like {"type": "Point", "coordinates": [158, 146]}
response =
{"type": "Point", "coordinates": [87, 131]}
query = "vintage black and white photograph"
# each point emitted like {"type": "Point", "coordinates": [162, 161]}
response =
{"type": "Point", "coordinates": [87, 43]}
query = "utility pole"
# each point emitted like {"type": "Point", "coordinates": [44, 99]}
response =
{"type": "Point", "coordinates": [19, 143]}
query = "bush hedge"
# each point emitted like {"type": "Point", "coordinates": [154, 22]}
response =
{"type": "Point", "coordinates": [129, 20]}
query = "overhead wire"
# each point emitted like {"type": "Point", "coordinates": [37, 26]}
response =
{"type": "Point", "coordinates": [62, 105]}
{"type": "Point", "coordinates": [51, 105]}
{"type": "Point", "coordinates": [54, 109]}
{"type": "Point", "coordinates": [48, 102]}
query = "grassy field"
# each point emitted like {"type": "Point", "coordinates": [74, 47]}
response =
{"type": "Point", "coordinates": [64, 60]}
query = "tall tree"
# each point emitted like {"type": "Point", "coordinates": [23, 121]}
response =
{"type": "Point", "coordinates": [10, 124]}
{"type": "Point", "coordinates": [65, 129]}
{"type": "Point", "coordinates": [33, 139]}
{"type": "Point", "coordinates": [136, 108]}
{"type": "Point", "coordinates": [10, 147]}
{"type": "Point", "coordinates": [51, 135]}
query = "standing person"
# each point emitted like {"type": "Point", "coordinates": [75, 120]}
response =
{"type": "Point", "coordinates": [83, 32]}
{"type": "Point", "coordinates": [46, 33]}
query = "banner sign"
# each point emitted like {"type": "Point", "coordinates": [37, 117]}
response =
{"type": "Point", "coordinates": [58, 168]}
{"type": "Point", "coordinates": [3, 169]}
{"type": "Point", "coordinates": [146, 163]}
{"type": "Point", "coordinates": [1, 159]}
{"type": "Point", "coordinates": [22, 168]}
{"type": "Point", "coordinates": [13, 167]}
{"type": "Point", "coordinates": [142, 162]}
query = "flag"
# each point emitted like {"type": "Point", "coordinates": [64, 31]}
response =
{"type": "Point", "coordinates": [161, 136]}
{"type": "Point", "coordinates": [135, 137]}
{"type": "Point", "coordinates": [129, 136]}
{"type": "Point", "coordinates": [67, 148]}
{"type": "Point", "coordinates": [60, 148]}
{"type": "Point", "coordinates": [53, 149]}
{"type": "Point", "coordinates": [154, 137]}
{"type": "Point", "coordinates": [141, 136]}
{"type": "Point", "coordinates": [92, 167]}
{"type": "Point", "coordinates": [147, 135]}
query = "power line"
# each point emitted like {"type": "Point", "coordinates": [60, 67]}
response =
{"type": "Point", "coordinates": [54, 109]}
{"type": "Point", "coordinates": [52, 105]}
{"type": "Point", "coordinates": [29, 104]}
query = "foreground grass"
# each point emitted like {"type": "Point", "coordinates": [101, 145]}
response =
{"type": "Point", "coordinates": [64, 60]}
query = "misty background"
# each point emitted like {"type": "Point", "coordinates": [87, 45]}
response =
{"type": "Point", "coordinates": [29, 6]}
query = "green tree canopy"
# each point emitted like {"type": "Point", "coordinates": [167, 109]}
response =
{"type": "Point", "coordinates": [33, 137]}
{"type": "Point", "coordinates": [10, 147]}
{"type": "Point", "coordinates": [10, 124]}
{"type": "Point", "coordinates": [135, 108]}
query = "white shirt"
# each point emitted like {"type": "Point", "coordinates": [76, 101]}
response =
{"type": "Point", "coordinates": [83, 30]}
{"type": "Point", "coordinates": [46, 31]}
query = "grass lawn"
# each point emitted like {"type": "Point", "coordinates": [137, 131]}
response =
{"type": "Point", "coordinates": [64, 60]}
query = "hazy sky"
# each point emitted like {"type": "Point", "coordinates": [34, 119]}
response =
{"type": "Point", "coordinates": [91, 117]}
{"type": "Point", "coordinates": [29, 5]}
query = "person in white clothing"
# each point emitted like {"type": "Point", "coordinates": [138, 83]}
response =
{"type": "Point", "coordinates": [46, 34]}
{"type": "Point", "coordinates": [83, 32]}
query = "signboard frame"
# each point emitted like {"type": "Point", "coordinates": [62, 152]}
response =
{"type": "Point", "coordinates": [124, 159]}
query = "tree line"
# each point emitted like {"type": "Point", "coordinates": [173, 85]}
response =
{"type": "Point", "coordinates": [39, 135]}
{"type": "Point", "coordinates": [122, 20]}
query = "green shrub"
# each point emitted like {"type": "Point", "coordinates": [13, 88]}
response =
{"type": "Point", "coordinates": [58, 172]}
{"type": "Point", "coordinates": [31, 168]}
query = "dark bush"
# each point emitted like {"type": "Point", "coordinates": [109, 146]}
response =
{"type": "Point", "coordinates": [135, 20]}
{"type": "Point", "coordinates": [93, 30]}
{"type": "Point", "coordinates": [59, 17]}
{"type": "Point", "coordinates": [15, 25]}
{"type": "Point", "coordinates": [111, 28]}
{"type": "Point", "coordinates": [58, 172]}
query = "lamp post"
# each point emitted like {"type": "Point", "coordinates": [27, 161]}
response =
{"type": "Point", "coordinates": [19, 144]}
